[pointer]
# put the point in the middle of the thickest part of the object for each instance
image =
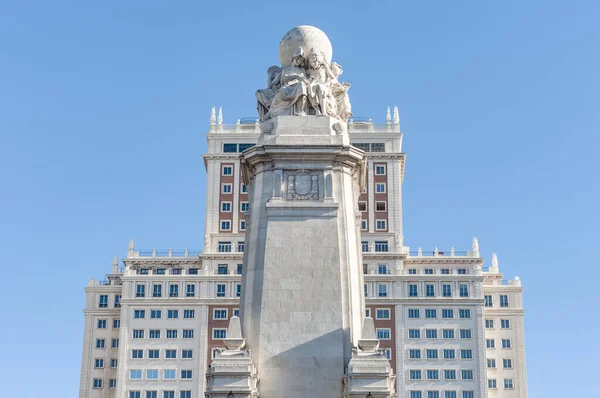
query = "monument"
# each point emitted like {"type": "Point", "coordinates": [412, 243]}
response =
{"type": "Point", "coordinates": [303, 331]}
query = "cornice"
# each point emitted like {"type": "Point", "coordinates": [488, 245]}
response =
{"type": "Point", "coordinates": [444, 260]}
{"type": "Point", "coordinates": [180, 301]}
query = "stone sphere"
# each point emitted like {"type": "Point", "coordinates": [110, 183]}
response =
{"type": "Point", "coordinates": [306, 37]}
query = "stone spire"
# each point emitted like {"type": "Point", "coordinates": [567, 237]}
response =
{"type": "Point", "coordinates": [396, 116]}
{"type": "Point", "coordinates": [475, 247]}
{"type": "Point", "coordinates": [115, 264]}
{"type": "Point", "coordinates": [130, 248]}
{"type": "Point", "coordinates": [220, 118]}
{"type": "Point", "coordinates": [213, 116]}
{"type": "Point", "coordinates": [494, 267]}
{"type": "Point", "coordinates": [388, 118]}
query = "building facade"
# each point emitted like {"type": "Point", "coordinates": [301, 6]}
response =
{"type": "Point", "coordinates": [450, 327]}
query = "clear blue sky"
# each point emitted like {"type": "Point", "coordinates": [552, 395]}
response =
{"type": "Point", "coordinates": [104, 106]}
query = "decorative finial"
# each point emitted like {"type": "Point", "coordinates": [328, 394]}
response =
{"type": "Point", "coordinates": [475, 244]}
{"type": "Point", "coordinates": [115, 260]}
{"type": "Point", "coordinates": [388, 118]}
{"type": "Point", "coordinates": [220, 119]}
{"type": "Point", "coordinates": [396, 116]}
{"type": "Point", "coordinates": [369, 341]}
{"type": "Point", "coordinates": [130, 248]}
{"type": "Point", "coordinates": [494, 260]}
{"type": "Point", "coordinates": [213, 116]}
{"type": "Point", "coordinates": [234, 340]}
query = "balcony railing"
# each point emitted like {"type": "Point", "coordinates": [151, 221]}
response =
{"type": "Point", "coordinates": [169, 253]}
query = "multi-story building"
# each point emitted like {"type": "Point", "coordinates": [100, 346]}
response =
{"type": "Point", "coordinates": [450, 328]}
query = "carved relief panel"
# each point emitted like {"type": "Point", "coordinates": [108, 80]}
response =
{"type": "Point", "coordinates": [303, 185]}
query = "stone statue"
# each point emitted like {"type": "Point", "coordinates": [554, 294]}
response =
{"type": "Point", "coordinates": [340, 93]}
{"type": "Point", "coordinates": [319, 92]}
{"type": "Point", "coordinates": [290, 99]}
{"type": "Point", "coordinates": [265, 96]}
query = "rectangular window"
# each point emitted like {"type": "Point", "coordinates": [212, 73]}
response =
{"type": "Point", "coordinates": [446, 290]}
{"type": "Point", "coordinates": [229, 148]}
{"type": "Point", "coordinates": [101, 323]}
{"type": "Point", "coordinates": [243, 147]}
{"type": "Point", "coordinates": [488, 300]}
{"type": "Point", "coordinates": [160, 271]}
{"type": "Point", "coordinates": [445, 271]}
{"type": "Point", "coordinates": [382, 313]}
{"type": "Point", "coordinates": [449, 394]}
{"type": "Point", "coordinates": [189, 314]}
{"type": "Point", "coordinates": [219, 334]}
{"type": "Point", "coordinates": [433, 394]}
{"type": "Point", "coordinates": [491, 363]}
{"type": "Point", "coordinates": [428, 271]}
{"type": "Point", "coordinates": [380, 187]}
{"type": "Point", "coordinates": [242, 225]}
{"type": "Point", "coordinates": [449, 354]}
{"type": "Point", "coordinates": [466, 354]}
{"type": "Point", "coordinates": [465, 333]}
{"type": "Point", "coordinates": [190, 290]}
{"type": "Point", "coordinates": [224, 247]}
{"type": "Point", "coordinates": [97, 383]}
{"type": "Point", "coordinates": [467, 374]}
{"type": "Point", "coordinates": [448, 333]}
{"type": "Point", "coordinates": [506, 343]}
{"type": "Point", "coordinates": [155, 314]}
{"type": "Point", "coordinates": [227, 170]}
{"type": "Point", "coordinates": [140, 290]}
{"type": "Point", "coordinates": [135, 374]}
{"type": "Point", "coordinates": [412, 271]}
{"type": "Point", "coordinates": [188, 333]}
{"type": "Point", "coordinates": [222, 269]}
{"type": "Point", "coordinates": [173, 314]}
{"type": "Point", "coordinates": [489, 323]}
{"type": "Point", "coordinates": [103, 301]}
{"type": "Point", "coordinates": [413, 290]}
{"type": "Point", "coordinates": [243, 188]}
{"type": "Point", "coordinates": [219, 313]}
{"type": "Point", "coordinates": [98, 363]}
{"type": "Point", "coordinates": [429, 290]}
{"type": "Point", "coordinates": [464, 290]}
{"type": "Point", "coordinates": [432, 354]}
{"type": "Point", "coordinates": [138, 333]}
{"type": "Point", "coordinates": [414, 333]}
{"type": "Point", "coordinates": [362, 206]}
{"type": "Point", "coordinates": [171, 333]}
{"type": "Point", "coordinates": [112, 383]}
{"type": "Point", "coordinates": [508, 384]}
{"type": "Point", "coordinates": [225, 188]}
{"type": "Point", "coordinates": [430, 314]}
{"type": "Point", "coordinates": [414, 354]}
{"type": "Point", "coordinates": [173, 290]}
{"type": "Point", "coordinates": [244, 206]}
{"type": "Point", "coordinates": [137, 354]}
{"type": "Point", "coordinates": [383, 334]}
{"type": "Point", "coordinates": [461, 271]}
{"type": "Point", "coordinates": [490, 343]}
{"type": "Point", "coordinates": [100, 343]}
{"type": "Point", "coordinates": [450, 374]}
{"type": "Point", "coordinates": [225, 207]}
{"type": "Point", "coordinates": [416, 394]}
{"type": "Point", "coordinates": [431, 333]}
{"type": "Point", "coordinates": [153, 354]}
{"type": "Point", "coordinates": [117, 301]}
{"type": "Point", "coordinates": [433, 375]}
{"type": "Point", "coordinates": [154, 334]}
{"type": "Point", "coordinates": [507, 363]}
{"type": "Point", "coordinates": [220, 290]}
{"type": "Point", "coordinates": [169, 374]}
{"type": "Point", "coordinates": [380, 170]}
{"type": "Point", "coordinates": [380, 225]}
{"type": "Point", "coordinates": [225, 225]}
{"type": "Point", "coordinates": [135, 394]}
{"type": "Point", "coordinates": [139, 314]}
{"type": "Point", "coordinates": [447, 314]}
{"type": "Point", "coordinates": [176, 271]}
{"type": "Point", "coordinates": [468, 394]}
{"type": "Point", "coordinates": [193, 271]}
{"type": "Point", "coordinates": [156, 290]}
{"type": "Point", "coordinates": [413, 313]}
{"type": "Point", "coordinates": [364, 246]}
{"type": "Point", "coordinates": [187, 354]}
{"type": "Point", "coordinates": [366, 290]}
{"type": "Point", "coordinates": [115, 343]}
{"type": "Point", "coordinates": [241, 247]}
{"type": "Point", "coordinates": [381, 246]}
{"type": "Point", "coordinates": [492, 383]}
{"type": "Point", "coordinates": [415, 374]}
{"type": "Point", "coordinates": [152, 394]}
{"type": "Point", "coordinates": [171, 354]}
{"type": "Point", "coordinates": [382, 269]}
{"type": "Point", "coordinates": [114, 362]}
{"type": "Point", "coordinates": [238, 290]}
{"type": "Point", "coordinates": [381, 290]}
{"type": "Point", "coordinates": [464, 314]}
{"type": "Point", "coordinates": [363, 225]}
{"type": "Point", "coordinates": [503, 300]}
{"type": "Point", "coordinates": [505, 323]}
{"type": "Point", "coordinates": [236, 312]}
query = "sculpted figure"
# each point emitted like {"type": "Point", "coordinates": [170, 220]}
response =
{"type": "Point", "coordinates": [340, 93]}
{"type": "Point", "coordinates": [265, 96]}
{"type": "Point", "coordinates": [290, 99]}
{"type": "Point", "coordinates": [319, 92]}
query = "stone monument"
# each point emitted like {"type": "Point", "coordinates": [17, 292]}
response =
{"type": "Point", "coordinates": [302, 302]}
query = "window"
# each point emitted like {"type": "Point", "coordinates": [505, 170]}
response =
{"type": "Point", "coordinates": [507, 363]}
{"type": "Point", "coordinates": [140, 290]}
{"type": "Point", "coordinates": [139, 314]}
{"type": "Point", "coordinates": [447, 314]}
{"type": "Point", "coordinates": [490, 343]}
{"type": "Point", "coordinates": [431, 333]}
{"type": "Point", "coordinates": [188, 333]}
{"type": "Point", "coordinates": [383, 334]}
{"type": "Point", "coordinates": [413, 290]}
{"type": "Point", "coordinates": [186, 374]}
{"type": "Point", "coordinates": [171, 333]}
{"type": "Point", "coordinates": [238, 290]}
{"type": "Point", "coordinates": [225, 207]}
{"type": "Point", "coordinates": [224, 247]}
{"type": "Point", "coordinates": [225, 225]}
{"type": "Point", "coordinates": [219, 333]}
{"type": "Point", "coordinates": [382, 269]}
{"type": "Point", "coordinates": [381, 246]}
{"type": "Point", "coordinates": [365, 246]}
{"type": "Point", "coordinates": [467, 374]}
{"type": "Point", "coordinates": [193, 271]}
{"type": "Point", "coordinates": [505, 323]}
{"type": "Point", "coordinates": [220, 290]}
{"type": "Point", "coordinates": [154, 334]}
{"type": "Point", "coordinates": [138, 333]}
{"type": "Point", "coordinates": [242, 225]}
{"type": "Point", "coordinates": [381, 290]}
{"type": "Point", "coordinates": [464, 314]}
{"type": "Point", "coordinates": [137, 354]}
{"type": "Point", "coordinates": [433, 394]}
{"type": "Point", "coordinates": [189, 314]}
{"type": "Point", "coordinates": [430, 314]}
{"type": "Point", "coordinates": [173, 314]}
{"type": "Point", "coordinates": [366, 290]}
{"type": "Point", "coordinates": [448, 333]}
{"type": "Point", "coordinates": [135, 374]}
{"type": "Point", "coordinates": [492, 383]}
{"type": "Point", "coordinates": [464, 290]}
{"type": "Point", "coordinates": [503, 300]}
{"type": "Point", "coordinates": [465, 333]}
{"type": "Point", "coordinates": [156, 290]}
{"type": "Point", "coordinates": [97, 383]}
{"type": "Point", "coordinates": [100, 343]}
{"type": "Point", "coordinates": [450, 374]}
{"type": "Point", "coordinates": [101, 323]}
{"type": "Point", "coordinates": [153, 354]}
{"type": "Point", "coordinates": [171, 354]}
{"type": "Point", "coordinates": [506, 343]}
{"type": "Point", "coordinates": [155, 314]}
{"type": "Point", "coordinates": [103, 301]}
{"type": "Point", "coordinates": [187, 354]}
{"type": "Point", "coordinates": [378, 147]}
{"type": "Point", "coordinates": [432, 354]}
{"type": "Point", "coordinates": [229, 148]}
{"type": "Point", "coordinates": [508, 384]}
{"type": "Point", "coordinates": [219, 313]}
{"type": "Point", "coordinates": [382, 313]}
{"type": "Point", "coordinates": [491, 363]}
{"type": "Point", "coordinates": [362, 206]}
{"type": "Point", "coordinates": [446, 290]}
{"type": "Point", "coordinates": [363, 225]}
{"type": "Point", "coordinates": [243, 147]}
{"type": "Point", "coordinates": [433, 375]}
{"type": "Point", "coordinates": [380, 225]}
{"type": "Point", "coordinates": [99, 363]}
{"type": "Point", "coordinates": [244, 206]}
{"type": "Point", "coordinates": [466, 354]}
{"type": "Point", "coordinates": [415, 394]}
{"type": "Point", "coordinates": [428, 271]}
{"type": "Point", "coordinates": [380, 170]}
{"type": "Point", "coordinates": [413, 313]}
{"type": "Point", "coordinates": [185, 394]}
{"type": "Point", "coordinates": [169, 374]}
{"type": "Point", "coordinates": [449, 354]}
{"type": "Point", "coordinates": [152, 394]}
{"type": "Point", "coordinates": [222, 269]}
{"type": "Point", "coordinates": [445, 271]}
{"type": "Point", "coordinates": [449, 394]}
{"type": "Point", "coordinates": [115, 343]}
{"type": "Point", "coordinates": [190, 290]}
{"type": "Point", "coordinates": [489, 323]}
{"type": "Point", "coordinates": [152, 374]}
{"type": "Point", "coordinates": [414, 354]}
{"type": "Point", "coordinates": [236, 312]}
{"type": "Point", "coordinates": [176, 271]}
{"type": "Point", "coordinates": [468, 394]}
{"type": "Point", "coordinates": [117, 301]}
{"type": "Point", "coordinates": [243, 188]}
{"type": "Point", "coordinates": [414, 333]}
{"type": "Point", "coordinates": [114, 362]}
{"type": "Point", "coordinates": [380, 187]}
{"type": "Point", "coordinates": [412, 271]}
{"type": "Point", "coordinates": [488, 301]}
{"type": "Point", "coordinates": [225, 188]}
{"type": "Point", "coordinates": [227, 170]}
{"type": "Point", "coordinates": [415, 374]}
{"type": "Point", "coordinates": [112, 383]}
{"type": "Point", "coordinates": [173, 290]}
{"type": "Point", "coordinates": [134, 394]}
{"type": "Point", "coordinates": [461, 271]}
{"type": "Point", "coordinates": [160, 271]}
{"type": "Point", "coordinates": [429, 290]}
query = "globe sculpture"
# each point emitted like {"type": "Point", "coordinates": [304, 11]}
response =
{"type": "Point", "coordinates": [307, 38]}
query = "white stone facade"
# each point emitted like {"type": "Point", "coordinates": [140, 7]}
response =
{"type": "Point", "coordinates": [390, 269]}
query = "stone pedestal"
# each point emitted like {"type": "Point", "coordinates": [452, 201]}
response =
{"type": "Point", "coordinates": [302, 300]}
